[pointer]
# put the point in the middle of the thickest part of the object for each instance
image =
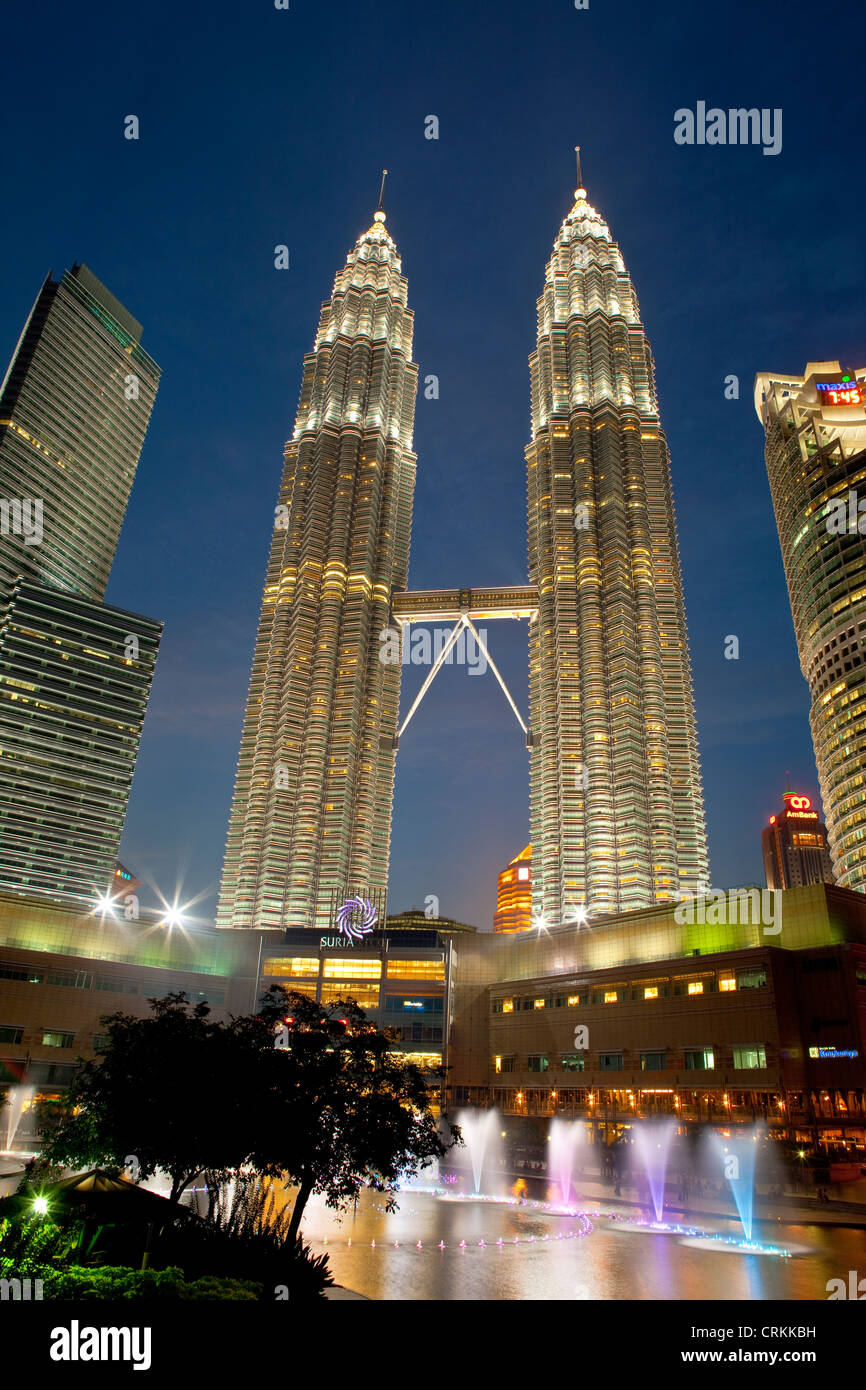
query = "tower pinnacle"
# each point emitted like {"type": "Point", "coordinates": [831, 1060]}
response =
{"type": "Point", "coordinates": [379, 215]}
{"type": "Point", "coordinates": [580, 191]}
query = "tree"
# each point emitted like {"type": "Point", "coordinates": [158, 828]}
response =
{"type": "Point", "coordinates": [342, 1112]}
{"type": "Point", "coordinates": [161, 1095]}
{"type": "Point", "coordinates": [331, 1112]}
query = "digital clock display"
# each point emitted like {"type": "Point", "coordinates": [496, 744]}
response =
{"type": "Point", "coordinates": [844, 392]}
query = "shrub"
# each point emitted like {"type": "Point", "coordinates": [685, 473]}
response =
{"type": "Point", "coordinates": [244, 1236]}
{"type": "Point", "coordinates": [111, 1284]}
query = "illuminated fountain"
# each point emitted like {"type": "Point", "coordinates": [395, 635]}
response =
{"type": "Point", "coordinates": [18, 1099]}
{"type": "Point", "coordinates": [480, 1130]}
{"type": "Point", "coordinates": [564, 1139]}
{"type": "Point", "coordinates": [736, 1159]}
{"type": "Point", "coordinates": [653, 1142]}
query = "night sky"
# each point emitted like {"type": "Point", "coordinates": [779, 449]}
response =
{"type": "Point", "coordinates": [261, 127]}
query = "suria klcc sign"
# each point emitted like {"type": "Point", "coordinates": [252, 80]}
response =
{"type": "Point", "coordinates": [356, 918]}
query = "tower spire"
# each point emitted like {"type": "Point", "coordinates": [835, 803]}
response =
{"type": "Point", "coordinates": [580, 189]}
{"type": "Point", "coordinates": [380, 211]}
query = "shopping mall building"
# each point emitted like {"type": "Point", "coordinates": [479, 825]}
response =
{"type": "Point", "coordinates": [721, 1017]}
{"type": "Point", "coordinates": [726, 1016]}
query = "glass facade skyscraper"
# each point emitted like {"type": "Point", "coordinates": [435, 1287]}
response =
{"type": "Point", "coordinates": [815, 427]}
{"type": "Point", "coordinates": [74, 672]}
{"type": "Point", "coordinates": [74, 409]}
{"type": "Point", "coordinates": [74, 682]}
{"type": "Point", "coordinates": [311, 815]}
{"type": "Point", "coordinates": [617, 815]}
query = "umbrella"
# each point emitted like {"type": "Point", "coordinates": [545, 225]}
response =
{"type": "Point", "coordinates": [97, 1194]}
{"type": "Point", "coordinates": [98, 1200]}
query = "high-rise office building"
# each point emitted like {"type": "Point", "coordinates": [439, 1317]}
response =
{"type": "Point", "coordinates": [74, 682]}
{"type": "Point", "coordinates": [815, 428]}
{"type": "Point", "coordinates": [311, 814]}
{"type": "Point", "coordinates": [74, 409]}
{"type": "Point", "coordinates": [514, 894]}
{"type": "Point", "coordinates": [617, 815]}
{"type": "Point", "coordinates": [794, 845]}
{"type": "Point", "coordinates": [75, 673]}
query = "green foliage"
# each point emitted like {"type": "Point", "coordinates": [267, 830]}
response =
{"type": "Point", "coordinates": [245, 1235]}
{"type": "Point", "coordinates": [111, 1283]}
{"type": "Point", "coordinates": [28, 1246]}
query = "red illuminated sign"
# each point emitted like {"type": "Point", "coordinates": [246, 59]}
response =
{"type": "Point", "coordinates": [798, 803]}
{"type": "Point", "coordinates": [844, 392]}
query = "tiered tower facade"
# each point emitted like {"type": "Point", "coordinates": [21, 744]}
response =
{"type": "Point", "coordinates": [617, 815]}
{"type": "Point", "coordinates": [311, 815]}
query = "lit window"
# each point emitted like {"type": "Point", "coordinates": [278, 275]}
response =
{"type": "Point", "coordinates": [651, 992]}
{"type": "Point", "coordinates": [416, 970]}
{"type": "Point", "coordinates": [291, 966]}
{"type": "Point", "coordinates": [750, 1058]}
{"type": "Point", "coordinates": [539, 1003]}
{"type": "Point", "coordinates": [610, 996]}
{"type": "Point", "coordinates": [365, 995]}
{"type": "Point", "coordinates": [352, 969]}
{"type": "Point", "coordinates": [522, 873]}
{"type": "Point", "coordinates": [696, 987]}
{"type": "Point", "coordinates": [727, 986]}
{"type": "Point", "coordinates": [573, 1001]}
{"type": "Point", "coordinates": [508, 1006]}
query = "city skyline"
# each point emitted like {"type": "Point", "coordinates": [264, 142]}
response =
{"type": "Point", "coordinates": [472, 214]}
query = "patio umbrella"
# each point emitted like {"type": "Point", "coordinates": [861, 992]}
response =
{"type": "Point", "coordinates": [98, 1194]}
{"type": "Point", "coordinates": [98, 1200]}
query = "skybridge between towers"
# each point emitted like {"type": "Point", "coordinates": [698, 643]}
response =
{"type": "Point", "coordinates": [463, 608]}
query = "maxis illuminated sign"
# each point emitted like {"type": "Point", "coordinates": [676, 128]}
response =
{"type": "Point", "coordinates": [848, 391]}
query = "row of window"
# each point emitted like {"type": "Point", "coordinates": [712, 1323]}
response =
{"type": "Point", "coordinates": [745, 1057]}
{"type": "Point", "coordinates": [86, 979]}
{"type": "Point", "coordinates": [307, 967]}
{"type": "Point", "coordinates": [10, 1034]}
{"type": "Point", "coordinates": [623, 994]}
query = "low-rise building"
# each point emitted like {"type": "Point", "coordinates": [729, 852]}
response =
{"type": "Point", "coordinates": [717, 1017]}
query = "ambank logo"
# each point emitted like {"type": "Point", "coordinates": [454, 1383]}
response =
{"type": "Point", "coordinates": [799, 803]}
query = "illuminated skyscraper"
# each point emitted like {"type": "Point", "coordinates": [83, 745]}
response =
{"type": "Point", "coordinates": [311, 814]}
{"type": "Point", "coordinates": [514, 894]}
{"type": "Point", "coordinates": [816, 461]}
{"type": "Point", "coordinates": [75, 674]}
{"type": "Point", "coordinates": [74, 409]}
{"type": "Point", "coordinates": [617, 816]}
{"type": "Point", "coordinates": [794, 846]}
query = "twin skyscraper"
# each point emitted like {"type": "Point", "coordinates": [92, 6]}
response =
{"type": "Point", "coordinates": [616, 807]}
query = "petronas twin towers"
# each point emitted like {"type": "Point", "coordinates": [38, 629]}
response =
{"type": "Point", "coordinates": [617, 813]}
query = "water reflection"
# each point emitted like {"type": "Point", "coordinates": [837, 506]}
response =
{"type": "Point", "coordinates": [551, 1261]}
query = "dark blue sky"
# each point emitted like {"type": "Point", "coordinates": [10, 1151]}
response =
{"type": "Point", "coordinates": [261, 127]}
